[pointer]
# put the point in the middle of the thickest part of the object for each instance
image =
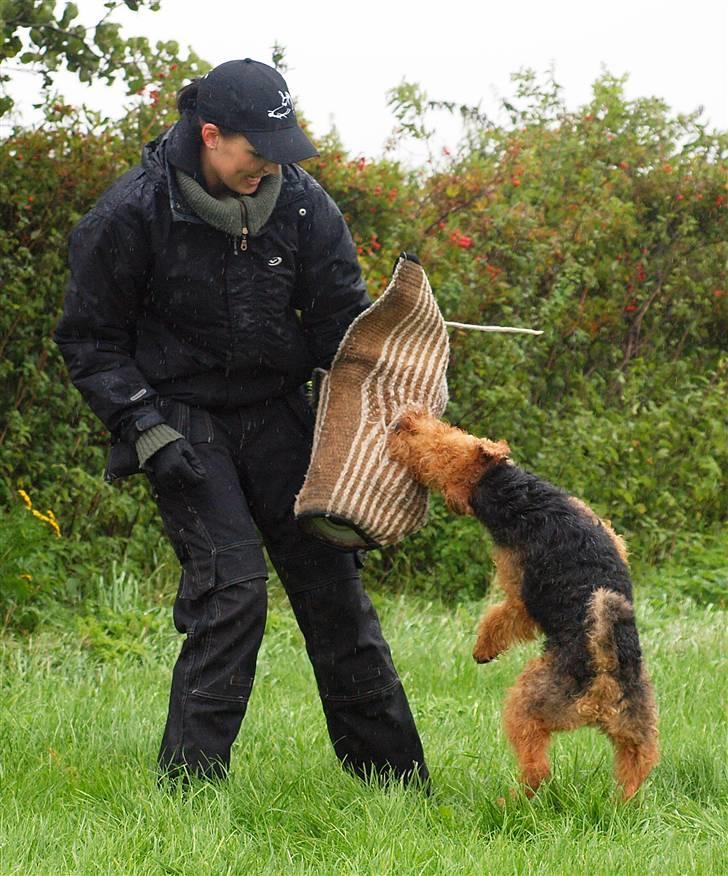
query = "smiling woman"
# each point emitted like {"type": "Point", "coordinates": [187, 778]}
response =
{"type": "Point", "coordinates": [236, 152]}
{"type": "Point", "coordinates": [206, 285]}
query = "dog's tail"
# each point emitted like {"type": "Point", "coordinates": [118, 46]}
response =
{"type": "Point", "coordinates": [609, 614]}
{"type": "Point", "coordinates": [613, 646]}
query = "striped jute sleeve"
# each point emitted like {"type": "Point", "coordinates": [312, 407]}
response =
{"type": "Point", "coordinates": [393, 358]}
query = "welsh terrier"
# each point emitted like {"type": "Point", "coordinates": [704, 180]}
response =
{"type": "Point", "coordinates": [564, 573]}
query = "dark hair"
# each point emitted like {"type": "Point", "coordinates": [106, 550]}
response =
{"type": "Point", "coordinates": [187, 103]}
{"type": "Point", "coordinates": [187, 97]}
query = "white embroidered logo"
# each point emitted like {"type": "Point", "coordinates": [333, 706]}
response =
{"type": "Point", "coordinates": [276, 261]}
{"type": "Point", "coordinates": [280, 112]}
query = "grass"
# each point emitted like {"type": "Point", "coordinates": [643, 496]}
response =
{"type": "Point", "coordinates": [84, 703]}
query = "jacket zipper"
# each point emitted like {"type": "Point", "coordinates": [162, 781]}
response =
{"type": "Point", "coordinates": [245, 232]}
{"type": "Point", "coordinates": [243, 248]}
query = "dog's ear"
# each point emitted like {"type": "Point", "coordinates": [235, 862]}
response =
{"type": "Point", "coordinates": [494, 451]}
{"type": "Point", "coordinates": [412, 420]}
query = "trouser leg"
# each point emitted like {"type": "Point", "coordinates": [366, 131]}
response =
{"type": "Point", "coordinates": [220, 607]}
{"type": "Point", "coordinates": [367, 713]}
{"type": "Point", "coordinates": [213, 676]}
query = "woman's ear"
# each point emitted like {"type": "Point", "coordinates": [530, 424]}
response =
{"type": "Point", "coordinates": [210, 135]}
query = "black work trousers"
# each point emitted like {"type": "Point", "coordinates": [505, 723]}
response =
{"type": "Point", "coordinates": [256, 459]}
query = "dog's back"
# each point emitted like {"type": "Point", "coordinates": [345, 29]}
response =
{"type": "Point", "coordinates": [566, 554]}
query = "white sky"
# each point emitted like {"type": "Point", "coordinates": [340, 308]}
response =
{"type": "Point", "coordinates": [343, 57]}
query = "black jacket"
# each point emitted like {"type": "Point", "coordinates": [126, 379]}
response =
{"type": "Point", "coordinates": [160, 303]}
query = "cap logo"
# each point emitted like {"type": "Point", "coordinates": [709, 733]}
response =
{"type": "Point", "coordinates": [280, 112]}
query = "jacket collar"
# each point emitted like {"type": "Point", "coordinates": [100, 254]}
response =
{"type": "Point", "coordinates": [183, 147]}
{"type": "Point", "coordinates": [178, 147]}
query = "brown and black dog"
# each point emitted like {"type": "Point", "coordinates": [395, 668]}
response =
{"type": "Point", "coordinates": [564, 573]}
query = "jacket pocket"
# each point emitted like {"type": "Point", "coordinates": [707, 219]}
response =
{"type": "Point", "coordinates": [122, 462]}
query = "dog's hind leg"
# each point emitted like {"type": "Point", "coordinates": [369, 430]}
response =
{"type": "Point", "coordinates": [634, 735]}
{"type": "Point", "coordinates": [536, 706]}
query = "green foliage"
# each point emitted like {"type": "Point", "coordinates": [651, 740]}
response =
{"type": "Point", "coordinates": [378, 201]}
{"type": "Point", "coordinates": [652, 463]}
{"type": "Point", "coordinates": [50, 443]}
{"type": "Point", "coordinates": [606, 227]}
{"type": "Point", "coordinates": [51, 37]}
{"type": "Point", "coordinates": [29, 562]}
{"type": "Point", "coordinates": [111, 635]}
{"type": "Point", "coordinates": [698, 570]}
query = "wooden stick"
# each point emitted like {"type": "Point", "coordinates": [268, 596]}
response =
{"type": "Point", "coordinates": [505, 329]}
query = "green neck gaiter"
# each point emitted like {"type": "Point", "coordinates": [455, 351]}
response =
{"type": "Point", "coordinates": [231, 213]}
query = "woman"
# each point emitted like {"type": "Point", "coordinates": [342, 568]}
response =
{"type": "Point", "coordinates": [205, 286]}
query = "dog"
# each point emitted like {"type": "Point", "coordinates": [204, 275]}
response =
{"type": "Point", "coordinates": [565, 574]}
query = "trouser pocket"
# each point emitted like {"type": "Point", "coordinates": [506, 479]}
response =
{"type": "Point", "coordinates": [192, 544]}
{"type": "Point", "coordinates": [211, 529]}
{"type": "Point", "coordinates": [193, 422]}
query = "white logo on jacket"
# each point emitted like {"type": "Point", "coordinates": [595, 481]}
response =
{"type": "Point", "coordinates": [275, 261]}
{"type": "Point", "coordinates": [280, 112]}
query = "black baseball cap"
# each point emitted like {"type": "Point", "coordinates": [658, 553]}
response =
{"type": "Point", "coordinates": [253, 99]}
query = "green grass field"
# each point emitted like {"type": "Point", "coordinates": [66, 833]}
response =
{"type": "Point", "coordinates": [83, 708]}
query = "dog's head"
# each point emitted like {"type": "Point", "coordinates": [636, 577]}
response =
{"type": "Point", "coordinates": [444, 457]}
{"type": "Point", "coordinates": [481, 454]}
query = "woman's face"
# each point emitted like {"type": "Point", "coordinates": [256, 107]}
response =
{"type": "Point", "coordinates": [232, 163]}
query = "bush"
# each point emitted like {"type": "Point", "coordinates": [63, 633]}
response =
{"type": "Point", "coordinates": [652, 463]}
{"type": "Point", "coordinates": [29, 561]}
{"type": "Point", "coordinates": [606, 227]}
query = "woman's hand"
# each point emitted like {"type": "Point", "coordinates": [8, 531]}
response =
{"type": "Point", "coordinates": [176, 466]}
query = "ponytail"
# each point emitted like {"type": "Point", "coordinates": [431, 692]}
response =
{"type": "Point", "coordinates": [187, 97]}
{"type": "Point", "coordinates": [187, 103]}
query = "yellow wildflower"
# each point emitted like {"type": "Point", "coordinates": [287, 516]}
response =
{"type": "Point", "coordinates": [49, 517]}
{"type": "Point", "coordinates": [54, 524]}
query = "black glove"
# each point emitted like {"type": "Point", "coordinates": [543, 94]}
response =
{"type": "Point", "coordinates": [176, 466]}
